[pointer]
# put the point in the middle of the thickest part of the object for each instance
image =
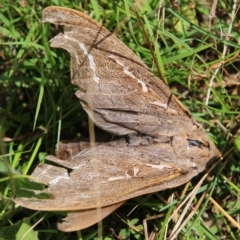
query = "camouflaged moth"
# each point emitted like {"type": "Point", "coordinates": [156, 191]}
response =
{"type": "Point", "coordinates": [166, 146]}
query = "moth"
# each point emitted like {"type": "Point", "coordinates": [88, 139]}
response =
{"type": "Point", "coordinates": [161, 146]}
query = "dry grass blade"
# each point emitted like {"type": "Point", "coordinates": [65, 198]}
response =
{"type": "Point", "coordinates": [189, 199]}
{"type": "Point", "coordinates": [230, 219]}
{"type": "Point", "coordinates": [233, 15]}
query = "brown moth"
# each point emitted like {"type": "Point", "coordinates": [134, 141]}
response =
{"type": "Point", "coordinates": [165, 148]}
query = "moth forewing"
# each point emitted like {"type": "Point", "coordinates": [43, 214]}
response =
{"type": "Point", "coordinates": [122, 96]}
{"type": "Point", "coordinates": [123, 172]}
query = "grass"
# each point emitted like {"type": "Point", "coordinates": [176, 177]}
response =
{"type": "Point", "coordinates": [38, 108]}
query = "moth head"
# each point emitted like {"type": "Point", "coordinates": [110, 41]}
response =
{"type": "Point", "coordinates": [196, 147]}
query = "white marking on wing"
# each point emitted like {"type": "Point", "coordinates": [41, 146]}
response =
{"type": "Point", "coordinates": [77, 167]}
{"type": "Point", "coordinates": [165, 106]}
{"type": "Point", "coordinates": [135, 171]}
{"type": "Point", "coordinates": [160, 104]}
{"type": "Point", "coordinates": [59, 178]}
{"type": "Point", "coordinates": [116, 178]}
{"type": "Point", "coordinates": [125, 70]}
{"type": "Point", "coordinates": [92, 64]}
{"type": "Point", "coordinates": [158, 166]}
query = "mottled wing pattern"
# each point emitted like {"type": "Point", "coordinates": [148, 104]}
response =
{"type": "Point", "coordinates": [106, 175]}
{"type": "Point", "coordinates": [117, 89]}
